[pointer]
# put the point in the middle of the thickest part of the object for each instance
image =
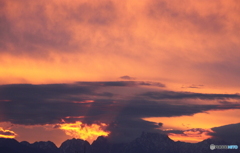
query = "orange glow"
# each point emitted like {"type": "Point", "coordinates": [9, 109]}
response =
{"type": "Point", "coordinates": [84, 131]}
{"type": "Point", "coordinates": [192, 136]}
{"type": "Point", "coordinates": [128, 39]}
{"type": "Point", "coordinates": [7, 133]}
{"type": "Point", "coordinates": [200, 120]}
{"type": "Point", "coordinates": [85, 101]}
{"type": "Point", "coordinates": [74, 117]}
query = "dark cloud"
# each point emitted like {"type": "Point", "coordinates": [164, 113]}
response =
{"type": "Point", "coordinates": [40, 104]}
{"type": "Point", "coordinates": [194, 132]}
{"type": "Point", "coordinates": [110, 83]}
{"type": "Point", "coordinates": [227, 132]}
{"type": "Point", "coordinates": [149, 83]}
{"type": "Point", "coordinates": [188, 95]}
{"type": "Point", "coordinates": [193, 86]}
{"type": "Point", "coordinates": [125, 116]}
{"type": "Point", "coordinates": [126, 129]}
{"type": "Point", "coordinates": [200, 130]}
{"type": "Point", "coordinates": [37, 93]}
{"type": "Point", "coordinates": [225, 102]}
{"type": "Point", "coordinates": [123, 83]}
{"type": "Point", "coordinates": [126, 77]}
{"type": "Point", "coordinates": [160, 124]}
{"type": "Point", "coordinates": [28, 104]}
{"type": "Point", "coordinates": [106, 94]}
{"type": "Point", "coordinates": [173, 131]}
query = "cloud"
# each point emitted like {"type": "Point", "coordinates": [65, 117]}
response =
{"type": "Point", "coordinates": [110, 83]}
{"type": "Point", "coordinates": [226, 132]}
{"type": "Point", "coordinates": [189, 132]}
{"type": "Point", "coordinates": [36, 29]}
{"type": "Point", "coordinates": [188, 95]}
{"type": "Point", "coordinates": [28, 104]}
{"type": "Point", "coordinates": [126, 77]}
{"type": "Point", "coordinates": [101, 13]}
{"type": "Point", "coordinates": [192, 16]}
{"type": "Point", "coordinates": [43, 27]}
{"type": "Point", "coordinates": [7, 133]}
{"type": "Point", "coordinates": [37, 93]}
{"type": "Point", "coordinates": [40, 104]}
{"type": "Point", "coordinates": [192, 135]}
{"type": "Point", "coordinates": [123, 83]}
{"type": "Point", "coordinates": [193, 86]}
{"type": "Point", "coordinates": [149, 83]}
{"type": "Point", "coordinates": [126, 129]}
{"type": "Point", "coordinates": [141, 39]}
{"type": "Point", "coordinates": [167, 131]}
{"type": "Point", "coordinates": [30, 31]}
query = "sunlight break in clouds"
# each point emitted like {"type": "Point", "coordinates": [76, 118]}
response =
{"type": "Point", "coordinates": [83, 131]}
{"type": "Point", "coordinates": [191, 135]}
{"type": "Point", "coordinates": [7, 133]}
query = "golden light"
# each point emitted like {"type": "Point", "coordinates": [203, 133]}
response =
{"type": "Point", "coordinates": [84, 131]}
{"type": "Point", "coordinates": [7, 133]}
{"type": "Point", "coordinates": [191, 136]}
{"type": "Point", "coordinates": [205, 120]}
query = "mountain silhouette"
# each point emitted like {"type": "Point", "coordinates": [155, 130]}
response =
{"type": "Point", "coordinates": [146, 143]}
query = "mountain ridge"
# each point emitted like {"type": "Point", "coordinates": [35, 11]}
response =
{"type": "Point", "coordinates": [146, 143]}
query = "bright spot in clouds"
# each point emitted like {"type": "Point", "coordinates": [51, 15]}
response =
{"type": "Point", "coordinates": [83, 131]}
{"type": "Point", "coordinates": [7, 133]}
{"type": "Point", "coordinates": [191, 135]}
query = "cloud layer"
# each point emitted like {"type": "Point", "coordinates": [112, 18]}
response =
{"type": "Point", "coordinates": [28, 104]}
{"type": "Point", "coordinates": [66, 41]}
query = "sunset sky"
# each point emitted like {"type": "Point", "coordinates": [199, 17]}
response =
{"type": "Point", "coordinates": [118, 68]}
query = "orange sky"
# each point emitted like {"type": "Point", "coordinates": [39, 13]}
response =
{"type": "Point", "coordinates": [187, 45]}
{"type": "Point", "coordinates": [205, 121]}
{"type": "Point", "coordinates": [185, 42]}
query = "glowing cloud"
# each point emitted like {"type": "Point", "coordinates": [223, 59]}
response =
{"type": "Point", "coordinates": [192, 135]}
{"type": "Point", "coordinates": [84, 131]}
{"type": "Point", "coordinates": [7, 133]}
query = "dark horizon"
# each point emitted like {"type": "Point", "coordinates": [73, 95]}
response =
{"type": "Point", "coordinates": [147, 143]}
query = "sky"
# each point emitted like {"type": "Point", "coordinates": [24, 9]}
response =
{"type": "Point", "coordinates": [87, 68]}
